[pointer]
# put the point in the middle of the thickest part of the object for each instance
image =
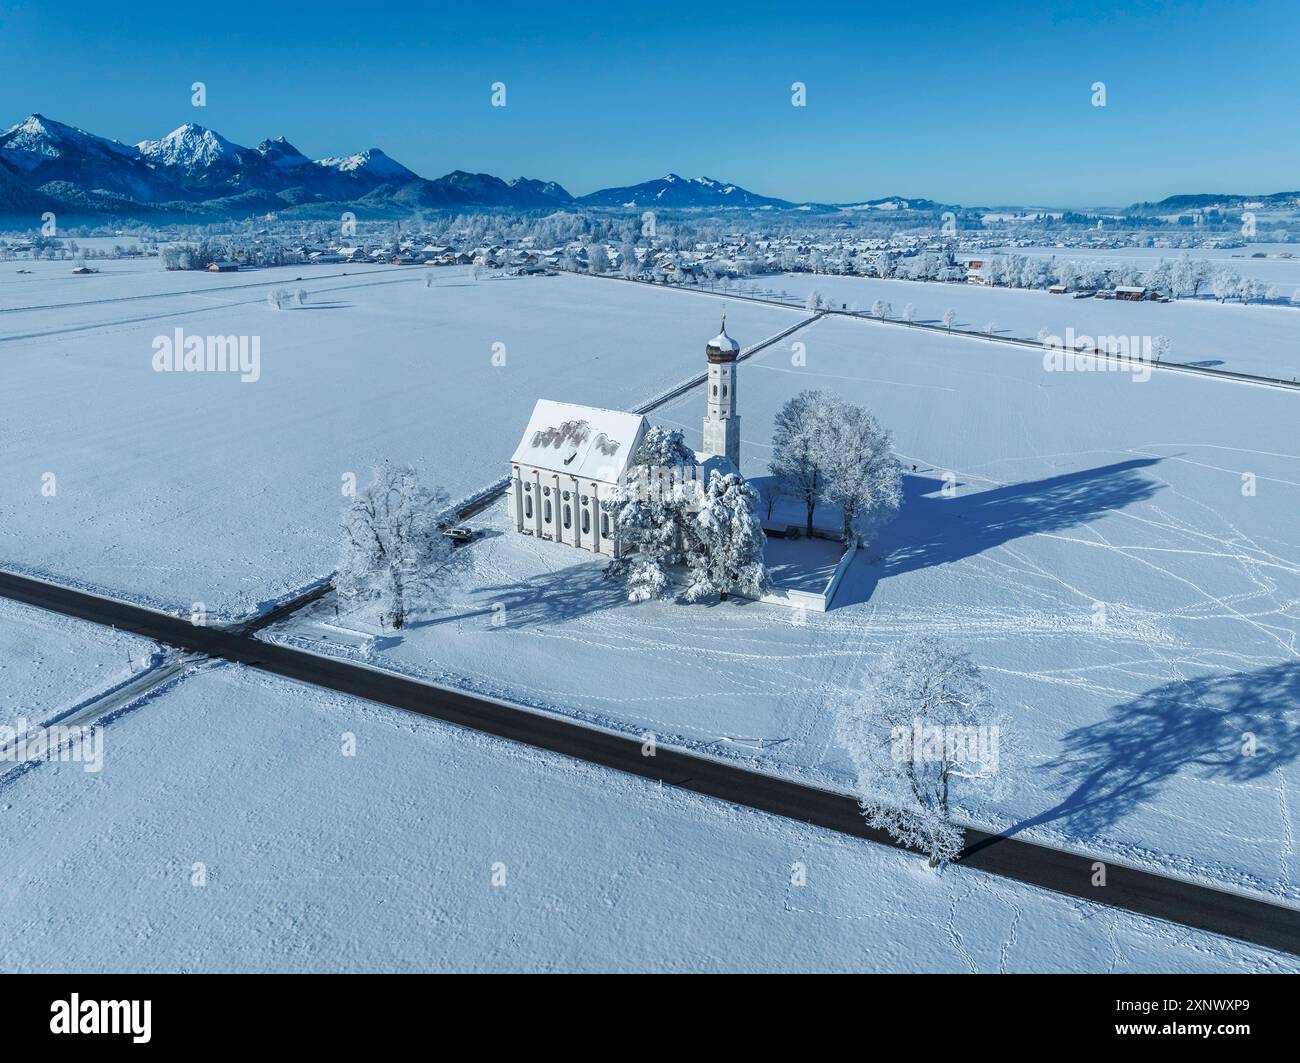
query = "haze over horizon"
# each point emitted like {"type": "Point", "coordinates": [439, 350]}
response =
{"type": "Point", "coordinates": [1196, 99]}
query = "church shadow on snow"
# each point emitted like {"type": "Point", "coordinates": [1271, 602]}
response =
{"type": "Point", "coordinates": [931, 529]}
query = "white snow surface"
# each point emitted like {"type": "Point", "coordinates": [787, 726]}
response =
{"type": "Point", "coordinates": [1260, 339]}
{"type": "Point", "coordinates": [175, 488]}
{"type": "Point", "coordinates": [49, 663]}
{"type": "Point", "coordinates": [314, 861]}
{"type": "Point", "coordinates": [1134, 612]}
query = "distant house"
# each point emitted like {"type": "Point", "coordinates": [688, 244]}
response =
{"type": "Point", "coordinates": [1130, 294]}
{"type": "Point", "coordinates": [1057, 289]}
{"type": "Point", "coordinates": [223, 266]}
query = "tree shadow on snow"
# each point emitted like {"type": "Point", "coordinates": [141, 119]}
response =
{"type": "Point", "coordinates": [1200, 727]}
{"type": "Point", "coordinates": [553, 597]}
{"type": "Point", "coordinates": [932, 529]}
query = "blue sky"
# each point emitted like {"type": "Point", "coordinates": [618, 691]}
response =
{"type": "Point", "coordinates": [979, 103]}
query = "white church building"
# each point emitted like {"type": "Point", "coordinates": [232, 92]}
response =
{"type": "Point", "coordinates": [572, 457]}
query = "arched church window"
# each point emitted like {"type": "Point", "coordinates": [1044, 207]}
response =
{"type": "Point", "coordinates": [604, 525]}
{"type": "Point", "coordinates": [568, 515]}
{"type": "Point", "coordinates": [528, 506]}
{"type": "Point", "coordinates": [546, 511]}
{"type": "Point", "coordinates": [586, 521]}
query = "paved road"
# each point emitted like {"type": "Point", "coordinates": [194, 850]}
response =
{"type": "Point", "coordinates": [1247, 918]}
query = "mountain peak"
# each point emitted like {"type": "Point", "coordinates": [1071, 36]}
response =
{"type": "Point", "coordinates": [280, 152]}
{"type": "Point", "coordinates": [371, 163]}
{"type": "Point", "coordinates": [38, 139]}
{"type": "Point", "coordinates": [190, 147]}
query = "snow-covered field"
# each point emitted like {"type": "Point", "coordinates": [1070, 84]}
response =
{"type": "Point", "coordinates": [1258, 339]}
{"type": "Point", "coordinates": [175, 488]}
{"type": "Point", "coordinates": [1132, 608]}
{"type": "Point", "coordinates": [49, 663]}
{"type": "Point", "coordinates": [53, 283]}
{"type": "Point", "coordinates": [315, 861]}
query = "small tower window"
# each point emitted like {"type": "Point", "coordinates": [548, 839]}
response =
{"type": "Point", "coordinates": [724, 391]}
{"type": "Point", "coordinates": [715, 391]}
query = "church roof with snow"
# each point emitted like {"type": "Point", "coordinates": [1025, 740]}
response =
{"type": "Point", "coordinates": [582, 441]}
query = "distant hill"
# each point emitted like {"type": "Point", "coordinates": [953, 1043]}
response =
{"type": "Point", "coordinates": [674, 191]}
{"type": "Point", "coordinates": [1212, 200]}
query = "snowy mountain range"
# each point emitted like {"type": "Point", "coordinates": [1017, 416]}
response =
{"type": "Point", "coordinates": [45, 164]}
{"type": "Point", "coordinates": [194, 171]}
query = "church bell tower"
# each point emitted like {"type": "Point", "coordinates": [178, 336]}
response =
{"type": "Point", "coordinates": [721, 422]}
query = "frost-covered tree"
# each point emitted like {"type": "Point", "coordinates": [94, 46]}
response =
{"type": "Point", "coordinates": [277, 298]}
{"type": "Point", "coordinates": [724, 541]}
{"type": "Point", "coordinates": [814, 302]}
{"type": "Point", "coordinates": [597, 258]}
{"type": "Point", "coordinates": [1160, 278]}
{"type": "Point", "coordinates": [825, 449]}
{"type": "Point", "coordinates": [627, 264]}
{"type": "Point", "coordinates": [796, 458]}
{"type": "Point", "coordinates": [1226, 284]}
{"type": "Point", "coordinates": [1201, 275]}
{"type": "Point", "coordinates": [949, 318]}
{"type": "Point", "coordinates": [881, 309]}
{"type": "Point", "coordinates": [664, 448]}
{"type": "Point", "coordinates": [1252, 289]}
{"type": "Point", "coordinates": [664, 521]}
{"type": "Point", "coordinates": [862, 476]}
{"type": "Point", "coordinates": [923, 726]}
{"type": "Point", "coordinates": [646, 518]}
{"type": "Point", "coordinates": [1160, 348]}
{"type": "Point", "coordinates": [648, 512]}
{"type": "Point", "coordinates": [394, 553]}
{"type": "Point", "coordinates": [909, 313]}
{"type": "Point", "coordinates": [300, 297]}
